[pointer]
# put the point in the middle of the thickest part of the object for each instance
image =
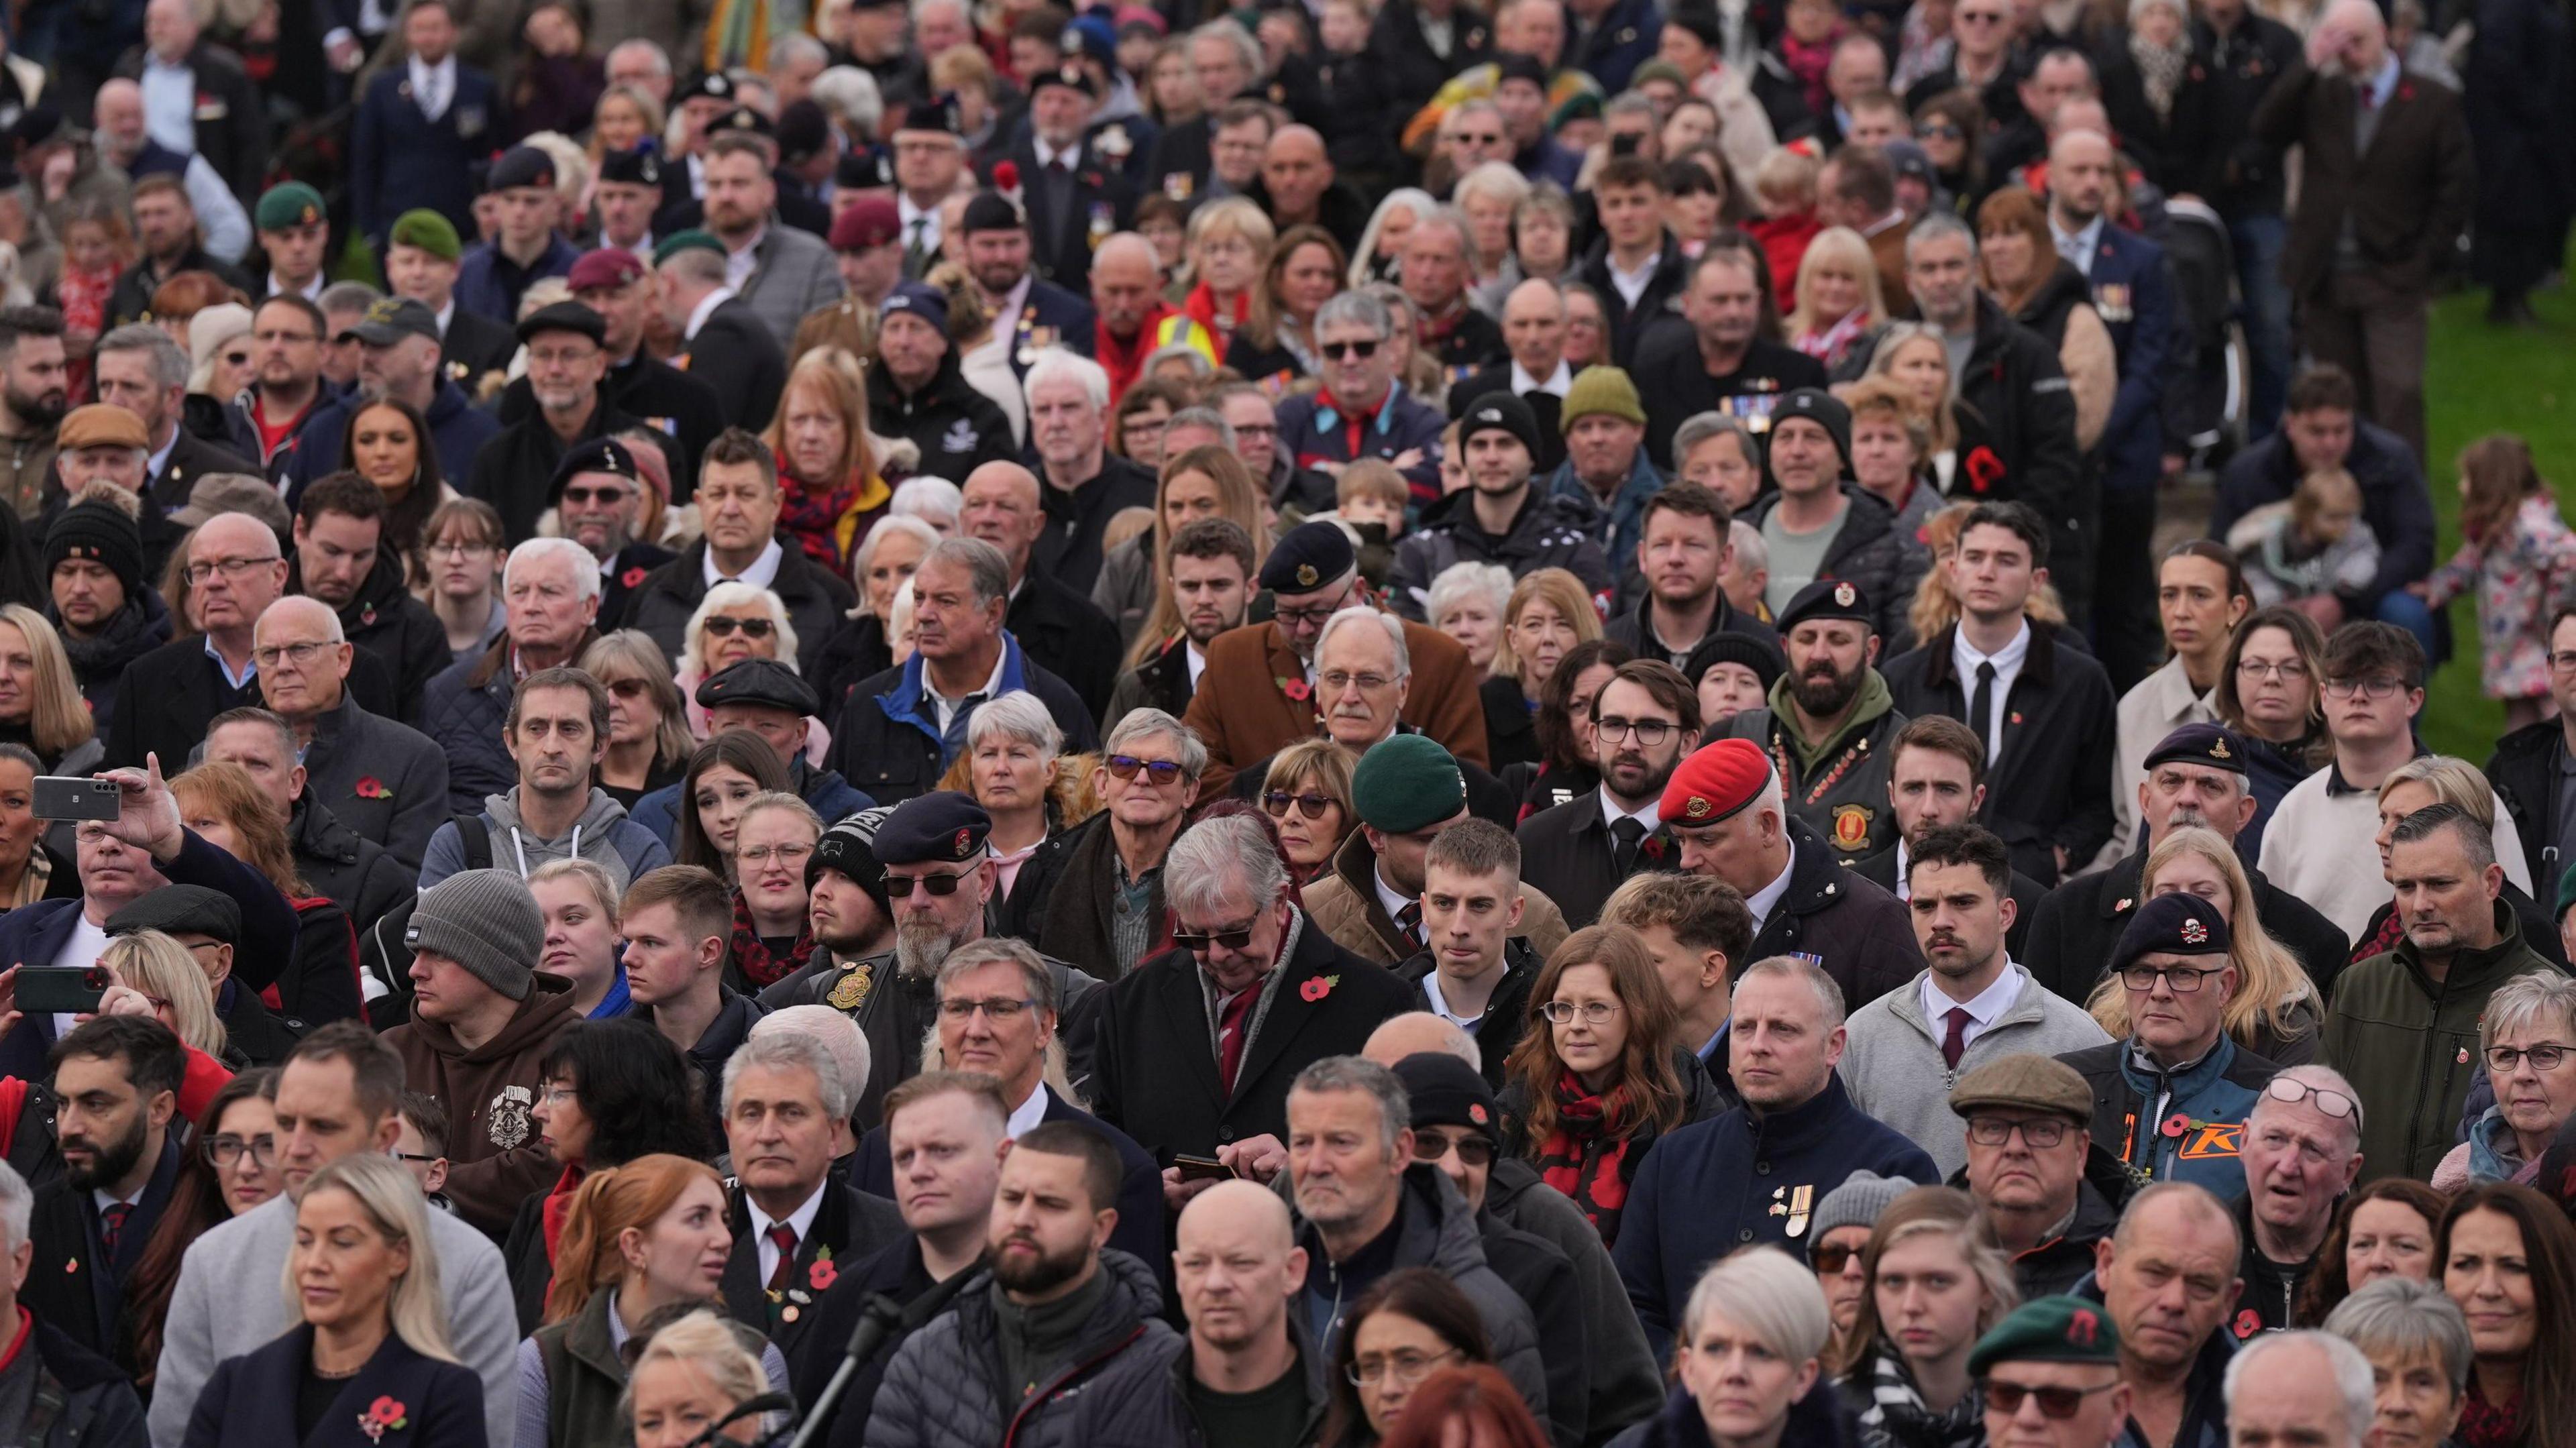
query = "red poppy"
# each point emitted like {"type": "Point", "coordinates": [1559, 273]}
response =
{"type": "Point", "coordinates": [370, 787]}
{"type": "Point", "coordinates": [1315, 989]}
{"type": "Point", "coordinates": [1984, 469]}
{"type": "Point", "coordinates": [632, 578]}
{"type": "Point", "coordinates": [1297, 689]}
{"type": "Point", "coordinates": [1006, 176]}
{"type": "Point", "coordinates": [385, 1410]}
{"type": "Point", "coordinates": [822, 1274]}
{"type": "Point", "coordinates": [2176, 1124]}
{"type": "Point", "coordinates": [2248, 1323]}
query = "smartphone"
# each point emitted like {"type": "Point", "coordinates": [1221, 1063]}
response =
{"type": "Point", "coordinates": [49, 989]}
{"type": "Point", "coordinates": [1193, 1168]}
{"type": "Point", "coordinates": [65, 797]}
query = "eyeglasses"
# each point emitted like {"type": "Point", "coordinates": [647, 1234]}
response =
{"type": "Point", "coordinates": [2343, 1107]}
{"type": "Point", "coordinates": [224, 1150]}
{"type": "Point", "coordinates": [626, 688]}
{"type": "Point", "coordinates": [2182, 978]}
{"type": "Point", "coordinates": [228, 567]}
{"type": "Point", "coordinates": [423, 1157]}
{"type": "Point", "coordinates": [1594, 1013]}
{"type": "Point", "coordinates": [2290, 671]}
{"type": "Point", "coordinates": [1336, 680]}
{"type": "Point", "coordinates": [752, 628]}
{"type": "Point", "coordinates": [604, 494]}
{"type": "Point", "coordinates": [1339, 350]}
{"type": "Point", "coordinates": [2547, 1056]}
{"type": "Point", "coordinates": [1938, 133]}
{"type": "Point", "coordinates": [2039, 1133]}
{"type": "Point", "coordinates": [2054, 1402]}
{"type": "Point", "coordinates": [759, 855]}
{"type": "Point", "coordinates": [299, 654]}
{"type": "Point", "coordinates": [1307, 617]}
{"type": "Point", "coordinates": [1829, 1259]}
{"type": "Point", "coordinates": [2563, 662]}
{"type": "Point", "coordinates": [1159, 771]}
{"type": "Point", "coordinates": [2378, 686]}
{"type": "Point", "coordinates": [1649, 732]}
{"type": "Point", "coordinates": [461, 547]}
{"type": "Point", "coordinates": [1256, 429]}
{"type": "Point", "coordinates": [558, 1095]}
{"type": "Point", "coordinates": [1404, 1367]}
{"type": "Point", "coordinates": [998, 1010]}
{"type": "Point", "coordinates": [939, 883]}
{"type": "Point", "coordinates": [1237, 938]}
{"type": "Point", "coordinates": [1475, 1149]}
{"type": "Point", "coordinates": [1312, 806]}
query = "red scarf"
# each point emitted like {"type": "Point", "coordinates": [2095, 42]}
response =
{"type": "Point", "coordinates": [1808, 63]}
{"type": "Point", "coordinates": [559, 1206]}
{"type": "Point", "coordinates": [813, 518]}
{"type": "Point", "coordinates": [1125, 361]}
{"type": "Point", "coordinates": [1581, 1159]}
{"type": "Point", "coordinates": [761, 965]}
{"type": "Point", "coordinates": [2485, 1425]}
{"type": "Point", "coordinates": [1200, 307]}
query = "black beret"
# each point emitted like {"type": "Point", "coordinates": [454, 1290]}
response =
{"type": "Point", "coordinates": [564, 317]}
{"type": "Point", "coordinates": [599, 455]}
{"type": "Point", "coordinates": [940, 828]}
{"type": "Point", "coordinates": [1446, 1091]}
{"type": "Point", "coordinates": [2211, 746]}
{"type": "Point", "coordinates": [941, 113]}
{"type": "Point", "coordinates": [1308, 557]}
{"type": "Point", "coordinates": [864, 169]}
{"type": "Point", "coordinates": [1520, 67]}
{"type": "Point", "coordinates": [521, 166]}
{"type": "Point", "coordinates": [715, 85]}
{"type": "Point", "coordinates": [1825, 598]}
{"type": "Point", "coordinates": [1070, 75]}
{"type": "Point", "coordinates": [849, 846]}
{"type": "Point", "coordinates": [765, 682]}
{"type": "Point", "coordinates": [803, 129]}
{"type": "Point", "coordinates": [2179, 923]}
{"type": "Point", "coordinates": [743, 118]}
{"type": "Point", "coordinates": [638, 166]}
{"type": "Point", "coordinates": [992, 211]}
{"type": "Point", "coordinates": [181, 910]}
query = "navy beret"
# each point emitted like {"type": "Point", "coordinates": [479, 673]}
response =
{"type": "Point", "coordinates": [2211, 746]}
{"type": "Point", "coordinates": [1826, 598]}
{"type": "Point", "coordinates": [765, 682]}
{"type": "Point", "coordinates": [941, 828]}
{"type": "Point", "coordinates": [181, 910]}
{"type": "Point", "coordinates": [1310, 556]}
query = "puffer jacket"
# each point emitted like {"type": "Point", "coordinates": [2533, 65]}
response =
{"type": "Point", "coordinates": [1869, 553]}
{"type": "Point", "coordinates": [603, 835]}
{"type": "Point", "coordinates": [2185, 1126]}
{"type": "Point", "coordinates": [944, 1387]}
{"type": "Point", "coordinates": [1550, 531]}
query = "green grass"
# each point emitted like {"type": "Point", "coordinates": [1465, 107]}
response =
{"type": "Point", "coordinates": [2483, 379]}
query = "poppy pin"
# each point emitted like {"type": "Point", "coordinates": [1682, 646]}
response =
{"type": "Point", "coordinates": [822, 1274]}
{"type": "Point", "coordinates": [383, 1413]}
{"type": "Point", "coordinates": [1318, 987]}
{"type": "Point", "coordinates": [1476, 1113]}
{"type": "Point", "coordinates": [2176, 1124]}
{"type": "Point", "coordinates": [2248, 1323]}
{"type": "Point", "coordinates": [631, 578]}
{"type": "Point", "coordinates": [370, 787]}
{"type": "Point", "coordinates": [1297, 689]}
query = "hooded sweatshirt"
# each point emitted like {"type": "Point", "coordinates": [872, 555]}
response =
{"type": "Point", "coordinates": [603, 835]}
{"type": "Point", "coordinates": [496, 1157]}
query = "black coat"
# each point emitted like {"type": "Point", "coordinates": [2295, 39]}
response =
{"type": "Point", "coordinates": [400, 158]}
{"type": "Point", "coordinates": [100, 1409]}
{"type": "Point", "coordinates": [680, 406]}
{"type": "Point", "coordinates": [2045, 786]}
{"type": "Point", "coordinates": [2167, 148]}
{"type": "Point", "coordinates": [1662, 297]}
{"type": "Point", "coordinates": [1507, 1011]}
{"type": "Point", "coordinates": [168, 695]}
{"type": "Point", "coordinates": [1161, 682]}
{"type": "Point", "coordinates": [2027, 893]}
{"type": "Point", "coordinates": [383, 619]}
{"type": "Point", "coordinates": [851, 1226]}
{"type": "Point", "coordinates": [957, 428]}
{"type": "Point", "coordinates": [131, 298]}
{"type": "Point", "coordinates": [1155, 1071]}
{"type": "Point", "coordinates": [2237, 171]}
{"type": "Point", "coordinates": [1077, 923]}
{"type": "Point", "coordinates": [1410, 69]}
{"type": "Point", "coordinates": [1139, 1232]}
{"type": "Point", "coordinates": [735, 354]}
{"type": "Point", "coordinates": [231, 115]}
{"type": "Point", "coordinates": [1673, 383]}
{"type": "Point", "coordinates": [626, 572]}
{"type": "Point", "coordinates": [1881, 562]}
{"type": "Point", "coordinates": [1068, 636]}
{"type": "Point", "coordinates": [251, 1400]}
{"type": "Point", "coordinates": [473, 346]}
{"type": "Point", "coordinates": [2524, 772]}
{"type": "Point", "coordinates": [1545, 406]}
{"type": "Point", "coordinates": [1070, 549]}
{"type": "Point", "coordinates": [816, 600]}
{"type": "Point", "coordinates": [80, 1290]}
{"type": "Point", "coordinates": [898, 1273]}
{"type": "Point", "coordinates": [191, 458]}
{"type": "Point", "coordinates": [1566, 855]}
{"type": "Point", "coordinates": [1864, 934]}
{"type": "Point", "coordinates": [512, 471]}
{"type": "Point", "coordinates": [98, 663]}
{"type": "Point", "coordinates": [1061, 238]}
{"type": "Point", "coordinates": [2080, 923]}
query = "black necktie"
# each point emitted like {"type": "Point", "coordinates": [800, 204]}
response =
{"type": "Point", "coordinates": [1626, 833]}
{"type": "Point", "coordinates": [1981, 709]}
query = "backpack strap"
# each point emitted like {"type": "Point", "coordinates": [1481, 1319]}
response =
{"type": "Point", "coordinates": [476, 837]}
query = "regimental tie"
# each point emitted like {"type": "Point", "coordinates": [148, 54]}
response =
{"type": "Point", "coordinates": [1409, 920]}
{"type": "Point", "coordinates": [783, 1237]}
{"type": "Point", "coordinates": [111, 1225]}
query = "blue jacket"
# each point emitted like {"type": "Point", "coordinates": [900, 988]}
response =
{"type": "Point", "coordinates": [889, 741]}
{"type": "Point", "coordinates": [1622, 40]}
{"type": "Point", "coordinates": [829, 794]}
{"type": "Point", "coordinates": [2133, 291]}
{"type": "Point", "coordinates": [2198, 1127]}
{"type": "Point", "coordinates": [400, 159]}
{"type": "Point", "coordinates": [2394, 500]}
{"type": "Point", "coordinates": [457, 429]}
{"type": "Point", "coordinates": [1732, 1180]}
{"type": "Point", "coordinates": [490, 284]}
{"type": "Point", "coordinates": [1623, 523]}
{"type": "Point", "coordinates": [1312, 432]}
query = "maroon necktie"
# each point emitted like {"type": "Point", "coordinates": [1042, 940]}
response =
{"type": "Point", "coordinates": [1955, 1044]}
{"type": "Point", "coordinates": [1231, 1028]}
{"type": "Point", "coordinates": [784, 1236]}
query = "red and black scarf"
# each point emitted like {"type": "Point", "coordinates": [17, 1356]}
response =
{"type": "Point", "coordinates": [813, 518]}
{"type": "Point", "coordinates": [1582, 1159]}
{"type": "Point", "coordinates": [761, 965]}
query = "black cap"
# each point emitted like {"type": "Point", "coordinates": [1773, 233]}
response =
{"type": "Point", "coordinates": [941, 828]}
{"type": "Point", "coordinates": [941, 113]}
{"type": "Point", "coordinates": [181, 910]}
{"type": "Point", "coordinates": [639, 166]}
{"type": "Point", "coordinates": [1500, 411]}
{"type": "Point", "coordinates": [2177, 924]}
{"type": "Point", "coordinates": [715, 85]}
{"type": "Point", "coordinates": [2211, 746]}
{"type": "Point", "coordinates": [1826, 598]}
{"type": "Point", "coordinates": [1520, 67]}
{"type": "Point", "coordinates": [564, 317]}
{"type": "Point", "coordinates": [387, 320]}
{"type": "Point", "coordinates": [991, 211]}
{"type": "Point", "coordinates": [765, 682]}
{"type": "Point", "coordinates": [803, 129]}
{"type": "Point", "coordinates": [599, 455]}
{"type": "Point", "coordinates": [1446, 1091]}
{"type": "Point", "coordinates": [521, 166]}
{"type": "Point", "coordinates": [1308, 557]}
{"type": "Point", "coordinates": [1070, 75]}
{"type": "Point", "coordinates": [849, 846]}
{"type": "Point", "coordinates": [864, 169]}
{"type": "Point", "coordinates": [743, 118]}
{"type": "Point", "coordinates": [1734, 648]}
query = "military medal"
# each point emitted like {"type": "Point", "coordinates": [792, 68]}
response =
{"type": "Point", "coordinates": [1802, 1201]}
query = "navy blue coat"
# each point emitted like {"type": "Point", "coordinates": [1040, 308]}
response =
{"type": "Point", "coordinates": [400, 159]}
{"type": "Point", "coordinates": [1623, 40]}
{"type": "Point", "coordinates": [2133, 291]}
{"type": "Point", "coordinates": [1061, 242]}
{"type": "Point", "coordinates": [1737, 1179]}
{"type": "Point", "coordinates": [250, 1401]}
{"type": "Point", "coordinates": [2394, 500]}
{"type": "Point", "coordinates": [1052, 316]}
{"type": "Point", "coordinates": [1140, 1185]}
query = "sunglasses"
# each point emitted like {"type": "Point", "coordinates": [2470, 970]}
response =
{"type": "Point", "coordinates": [1474, 1150]}
{"type": "Point", "coordinates": [1938, 133]}
{"type": "Point", "coordinates": [1197, 944]}
{"type": "Point", "coordinates": [752, 628]}
{"type": "Point", "coordinates": [626, 688]}
{"type": "Point", "coordinates": [1312, 806]}
{"type": "Point", "coordinates": [586, 496]}
{"type": "Point", "coordinates": [1339, 350]}
{"type": "Point", "coordinates": [939, 884]}
{"type": "Point", "coordinates": [2058, 1403]}
{"type": "Point", "coordinates": [1159, 771]}
{"type": "Point", "coordinates": [1831, 1258]}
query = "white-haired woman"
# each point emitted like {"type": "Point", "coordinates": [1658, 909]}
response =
{"type": "Point", "coordinates": [371, 1355]}
{"type": "Point", "coordinates": [2527, 1037]}
{"type": "Point", "coordinates": [935, 501]}
{"type": "Point", "coordinates": [1749, 1359]}
{"type": "Point", "coordinates": [1009, 766]}
{"type": "Point", "coordinates": [2420, 1352]}
{"type": "Point", "coordinates": [1382, 240]}
{"type": "Point", "coordinates": [881, 570]}
{"type": "Point", "coordinates": [1467, 602]}
{"type": "Point", "coordinates": [1487, 197]}
{"type": "Point", "coordinates": [733, 623]}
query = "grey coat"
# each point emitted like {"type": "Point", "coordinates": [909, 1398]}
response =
{"type": "Point", "coordinates": [1625, 1385]}
{"type": "Point", "coordinates": [944, 1387]}
{"type": "Point", "coordinates": [794, 273]}
{"type": "Point", "coordinates": [1892, 1059]}
{"type": "Point", "coordinates": [384, 780]}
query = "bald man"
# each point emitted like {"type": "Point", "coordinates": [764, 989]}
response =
{"type": "Point", "coordinates": [383, 780]}
{"type": "Point", "coordinates": [1062, 630]}
{"type": "Point", "coordinates": [2403, 211]}
{"type": "Point", "coordinates": [1238, 1267]}
{"type": "Point", "coordinates": [1419, 1032]}
{"type": "Point", "coordinates": [2167, 1276]}
{"type": "Point", "coordinates": [1298, 187]}
{"type": "Point", "coordinates": [1127, 292]}
{"type": "Point", "coordinates": [1535, 371]}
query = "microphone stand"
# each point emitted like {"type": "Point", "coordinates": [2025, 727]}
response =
{"type": "Point", "coordinates": [881, 1319]}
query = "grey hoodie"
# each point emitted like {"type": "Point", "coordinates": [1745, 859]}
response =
{"type": "Point", "coordinates": [603, 835]}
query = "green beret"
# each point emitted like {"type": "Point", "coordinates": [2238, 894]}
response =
{"type": "Point", "coordinates": [1406, 783]}
{"type": "Point", "coordinates": [2566, 891]}
{"type": "Point", "coordinates": [428, 231]}
{"type": "Point", "coordinates": [680, 241]}
{"type": "Point", "coordinates": [290, 203]}
{"type": "Point", "coordinates": [2049, 1330]}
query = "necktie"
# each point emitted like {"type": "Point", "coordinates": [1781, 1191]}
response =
{"type": "Point", "coordinates": [1409, 920]}
{"type": "Point", "coordinates": [783, 1237]}
{"type": "Point", "coordinates": [1231, 1028]}
{"type": "Point", "coordinates": [1981, 709]}
{"type": "Point", "coordinates": [913, 256]}
{"type": "Point", "coordinates": [1626, 833]}
{"type": "Point", "coordinates": [1955, 1044]}
{"type": "Point", "coordinates": [111, 1225]}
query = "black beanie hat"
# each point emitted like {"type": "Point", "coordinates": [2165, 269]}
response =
{"type": "Point", "coordinates": [100, 531]}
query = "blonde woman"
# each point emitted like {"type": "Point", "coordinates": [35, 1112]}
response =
{"type": "Point", "coordinates": [831, 490]}
{"type": "Point", "coordinates": [40, 701]}
{"type": "Point", "coordinates": [691, 1374]}
{"type": "Point", "coordinates": [1548, 613]}
{"type": "Point", "coordinates": [2275, 1012]}
{"type": "Point", "coordinates": [1916, 358]}
{"type": "Point", "coordinates": [1229, 249]}
{"type": "Point", "coordinates": [1838, 299]}
{"type": "Point", "coordinates": [623, 117]}
{"type": "Point", "coordinates": [1135, 583]}
{"type": "Point", "coordinates": [648, 724]}
{"type": "Point", "coordinates": [1936, 1281]}
{"type": "Point", "coordinates": [363, 1276]}
{"type": "Point", "coordinates": [159, 977]}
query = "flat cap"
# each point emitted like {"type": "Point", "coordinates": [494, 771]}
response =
{"type": "Point", "coordinates": [181, 910]}
{"type": "Point", "coordinates": [680, 241]}
{"type": "Point", "coordinates": [100, 424]}
{"type": "Point", "coordinates": [215, 493]}
{"type": "Point", "coordinates": [1717, 781]}
{"type": "Point", "coordinates": [1446, 1091]}
{"type": "Point", "coordinates": [2028, 1080]}
{"type": "Point", "coordinates": [866, 224]}
{"type": "Point", "coordinates": [2049, 1330]}
{"type": "Point", "coordinates": [1826, 598]}
{"type": "Point", "coordinates": [1407, 782]}
{"type": "Point", "coordinates": [564, 317]}
{"type": "Point", "coordinates": [2211, 746]}
{"type": "Point", "coordinates": [765, 682]}
{"type": "Point", "coordinates": [2180, 923]}
{"type": "Point", "coordinates": [388, 320]}
{"type": "Point", "coordinates": [425, 230]}
{"type": "Point", "coordinates": [607, 268]}
{"type": "Point", "coordinates": [289, 203]}
{"type": "Point", "coordinates": [521, 166]}
{"type": "Point", "coordinates": [1308, 557]}
{"type": "Point", "coordinates": [943, 827]}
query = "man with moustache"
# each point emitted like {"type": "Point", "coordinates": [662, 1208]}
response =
{"type": "Point", "coordinates": [1829, 720]}
{"type": "Point", "coordinates": [116, 1087]}
{"type": "Point", "coordinates": [598, 492]}
{"type": "Point", "coordinates": [1645, 721]}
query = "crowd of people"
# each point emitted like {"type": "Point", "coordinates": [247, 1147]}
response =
{"type": "Point", "coordinates": [1366, 724]}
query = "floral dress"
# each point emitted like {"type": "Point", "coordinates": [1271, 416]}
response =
{"type": "Point", "coordinates": [2521, 578]}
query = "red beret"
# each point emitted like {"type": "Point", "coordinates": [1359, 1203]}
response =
{"type": "Point", "coordinates": [608, 267]}
{"type": "Point", "coordinates": [1719, 780]}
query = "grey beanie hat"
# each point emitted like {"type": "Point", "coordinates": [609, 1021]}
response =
{"type": "Point", "coordinates": [1856, 1203]}
{"type": "Point", "coordinates": [485, 921]}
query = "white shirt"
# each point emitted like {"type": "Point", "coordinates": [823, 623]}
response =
{"type": "Point", "coordinates": [433, 87]}
{"type": "Point", "coordinates": [1388, 900]}
{"type": "Point", "coordinates": [2007, 661]}
{"type": "Point", "coordinates": [1558, 383]}
{"type": "Point", "coordinates": [1440, 1005]}
{"type": "Point", "coordinates": [170, 104]}
{"type": "Point", "coordinates": [1631, 284]}
{"type": "Point", "coordinates": [762, 573]}
{"type": "Point", "coordinates": [802, 1219]}
{"type": "Point", "coordinates": [698, 315]}
{"type": "Point", "coordinates": [925, 218]}
{"type": "Point", "coordinates": [1196, 663]}
{"type": "Point", "coordinates": [1904, 886]}
{"type": "Point", "coordinates": [160, 458]}
{"type": "Point", "coordinates": [2077, 247]}
{"type": "Point", "coordinates": [1764, 899]}
{"type": "Point", "coordinates": [1048, 155]}
{"type": "Point", "coordinates": [1983, 1010]}
{"type": "Point", "coordinates": [87, 944]}
{"type": "Point", "coordinates": [1028, 1115]}
{"type": "Point", "coordinates": [311, 291]}
{"type": "Point", "coordinates": [739, 265]}
{"type": "Point", "coordinates": [946, 707]}
{"type": "Point", "coordinates": [446, 314]}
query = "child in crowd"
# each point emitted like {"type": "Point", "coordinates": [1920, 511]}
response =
{"type": "Point", "coordinates": [422, 1147]}
{"type": "Point", "coordinates": [1785, 189]}
{"type": "Point", "coordinates": [2313, 542]}
{"type": "Point", "coordinates": [2517, 551]}
{"type": "Point", "coordinates": [1368, 501]}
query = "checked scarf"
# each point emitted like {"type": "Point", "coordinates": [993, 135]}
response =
{"type": "Point", "coordinates": [760, 965]}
